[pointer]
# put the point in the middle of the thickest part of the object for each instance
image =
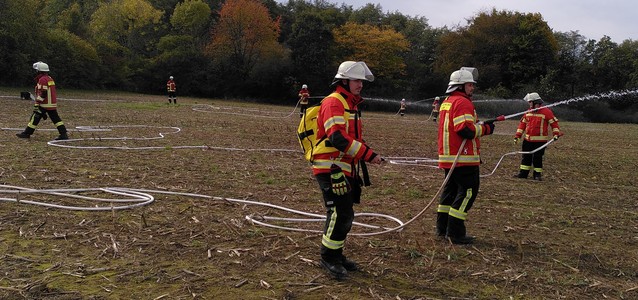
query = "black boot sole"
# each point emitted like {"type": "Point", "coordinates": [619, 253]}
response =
{"type": "Point", "coordinates": [335, 274]}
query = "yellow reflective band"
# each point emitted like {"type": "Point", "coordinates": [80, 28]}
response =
{"type": "Point", "coordinates": [325, 239]}
{"type": "Point", "coordinates": [443, 208]}
{"type": "Point", "coordinates": [462, 158]}
{"type": "Point", "coordinates": [537, 138]}
{"type": "Point", "coordinates": [458, 214]}
{"type": "Point", "coordinates": [542, 116]}
{"type": "Point", "coordinates": [468, 196]}
{"type": "Point", "coordinates": [460, 119]}
{"type": "Point", "coordinates": [354, 148]}
{"type": "Point", "coordinates": [335, 120]}
{"type": "Point", "coordinates": [479, 131]}
{"type": "Point", "coordinates": [538, 170]}
{"type": "Point", "coordinates": [326, 163]}
{"type": "Point", "coordinates": [525, 168]}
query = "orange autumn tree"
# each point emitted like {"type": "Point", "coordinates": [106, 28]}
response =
{"type": "Point", "coordinates": [244, 37]}
{"type": "Point", "coordinates": [381, 48]}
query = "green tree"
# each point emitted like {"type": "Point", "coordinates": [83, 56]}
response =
{"type": "Point", "coordinates": [191, 17]}
{"type": "Point", "coordinates": [70, 15]}
{"type": "Point", "coordinates": [76, 60]}
{"type": "Point", "coordinates": [127, 22]}
{"type": "Point", "coordinates": [310, 42]}
{"type": "Point", "coordinates": [420, 79]}
{"type": "Point", "coordinates": [567, 71]}
{"type": "Point", "coordinates": [21, 43]}
{"type": "Point", "coordinates": [368, 14]}
{"type": "Point", "coordinates": [511, 50]}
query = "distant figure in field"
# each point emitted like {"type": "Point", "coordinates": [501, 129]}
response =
{"type": "Point", "coordinates": [402, 109]}
{"type": "Point", "coordinates": [535, 124]}
{"type": "Point", "coordinates": [45, 103]}
{"type": "Point", "coordinates": [171, 88]}
{"type": "Point", "coordinates": [435, 108]}
{"type": "Point", "coordinates": [304, 94]}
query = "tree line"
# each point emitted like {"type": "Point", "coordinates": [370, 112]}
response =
{"type": "Point", "coordinates": [261, 49]}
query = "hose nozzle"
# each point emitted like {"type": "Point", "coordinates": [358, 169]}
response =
{"type": "Point", "coordinates": [490, 121]}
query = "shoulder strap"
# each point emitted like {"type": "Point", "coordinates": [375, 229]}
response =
{"type": "Point", "coordinates": [346, 106]}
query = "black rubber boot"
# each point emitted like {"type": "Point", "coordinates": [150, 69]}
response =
{"type": "Point", "coordinates": [26, 133]}
{"type": "Point", "coordinates": [537, 176]}
{"type": "Point", "coordinates": [456, 232]}
{"type": "Point", "coordinates": [522, 174]}
{"type": "Point", "coordinates": [441, 224]}
{"type": "Point", "coordinates": [23, 135]}
{"type": "Point", "coordinates": [331, 260]}
{"type": "Point", "coordinates": [62, 132]}
{"type": "Point", "coordinates": [349, 265]}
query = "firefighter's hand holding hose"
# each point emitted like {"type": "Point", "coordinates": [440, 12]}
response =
{"type": "Point", "coordinates": [516, 140]}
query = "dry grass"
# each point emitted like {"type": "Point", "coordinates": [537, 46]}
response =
{"type": "Point", "coordinates": [572, 236]}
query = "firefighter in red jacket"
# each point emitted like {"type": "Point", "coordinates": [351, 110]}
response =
{"type": "Point", "coordinates": [303, 99]}
{"type": "Point", "coordinates": [46, 103]}
{"type": "Point", "coordinates": [402, 107]}
{"type": "Point", "coordinates": [338, 157]}
{"type": "Point", "coordinates": [536, 125]}
{"type": "Point", "coordinates": [171, 88]}
{"type": "Point", "coordinates": [435, 108]}
{"type": "Point", "coordinates": [459, 122]}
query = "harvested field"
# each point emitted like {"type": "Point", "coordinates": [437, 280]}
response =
{"type": "Point", "coordinates": [572, 236]}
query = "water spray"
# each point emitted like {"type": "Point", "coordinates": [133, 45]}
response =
{"type": "Point", "coordinates": [610, 94]}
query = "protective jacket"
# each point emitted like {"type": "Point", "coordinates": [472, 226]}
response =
{"type": "Point", "coordinates": [458, 122]}
{"type": "Point", "coordinates": [435, 106]}
{"type": "Point", "coordinates": [170, 86]}
{"type": "Point", "coordinates": [342, 130]}
{"type": "Point", "coordinates": [536, 125]}
{"type": "Point", "coordinates": [304, 94]}
{"type": "Point", "coordinates": [45, 93]}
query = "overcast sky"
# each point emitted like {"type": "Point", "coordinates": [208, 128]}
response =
{"type": "Point", "coordinates": [617, 19]}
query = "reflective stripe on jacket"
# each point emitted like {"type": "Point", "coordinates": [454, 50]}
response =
{"type": "Point", "coordinates": [456, 113]}
{"type": "Point", "coordinates": [170, 86]}
{"type": "Point", "coordinates": [345, 135]}
{"type": "Point", "coordinates": [303, 95]}
{"type": "Point", "coordinates": [536, 125]}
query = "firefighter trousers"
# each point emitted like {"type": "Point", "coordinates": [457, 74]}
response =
{"type": "Point", "coordinates": [339, 215]}
{"type": "Point", "coordinates": [456, 200]}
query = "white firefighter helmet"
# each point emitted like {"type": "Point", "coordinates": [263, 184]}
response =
{"type": "Point", "coordinates": [459, 77]}
{"type": "Point", "coordinates": [170, 77]}
{"type": "Point", "coordinates": [354, 70]}
{"type": "Point", "coordinates": [533, 97]}
{"type": "Point", "coordinates": [41, 67]}
{"type": "Point", "coordinates": [304, 86]}
{"type": "Point", "coordinates": [437, 98]}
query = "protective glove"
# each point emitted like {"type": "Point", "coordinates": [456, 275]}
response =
{"type": "Point", "coordinates": [491, 128]}
{"type": "Point", "coordinates": [39, 112]}
{"type": "Point", "coordinates": [556, 137]}
{"type": "Point", "coordinates": [340, 185]}
{"type": "Point", "coordinates": [516, 140]}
